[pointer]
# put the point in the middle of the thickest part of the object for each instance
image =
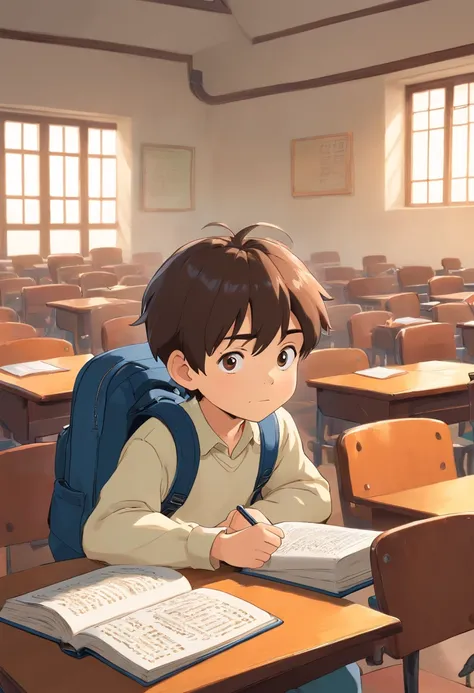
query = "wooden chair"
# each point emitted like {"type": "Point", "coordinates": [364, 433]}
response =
{"type": "Point", "coordinates": [389, 456]}
{"type": "Point", "coordinates": [123, 269]}
{"type": "Point", "coordinates": [69, 274]}
{"type": "Point", "coordinates": [8, 275]}
{"type": "Point", "coordinates": [340, 273]}
{"type": "Point", "coordinates": [26, 486]}
{"type": "Point", "coordinates": [120, 332]}
{"type": "Point", "coordinates": [133, 293]}
{"type": "Point", "coordinates": [34, 349]}
{"type": "Point", "coordinates": [467, 275]}
{"type": "Point", "coordinates": [381, 268]}
{"type": "Point", "coordinates": [415, 278]}
{"type": "Point", "coordinates": [22, 262]}
{"type": "Point", "coordinates": [451, 264]}
{"type": "Point", "coordinates": [454, 313]}
{"type": "Point", "coordinates": [404, 305]}
{"type": "Point", "coordinates": [423, 576]}
{"type": "Point", "coordinates": [326, 257]}
{"type": "Point", "coordinates": [11, 292]}
{"type": "Point", "coordinates": [339, 315]}
{"type": "Point", "coordinates": [430, 342]}
{"type": "Point", "coordinates": [65, 260]}
{"type": "Point", "coordinates": [369, 260]}
{"type": "Point", "coordinates": [370, 286]}
{"type": "Point", "coordinates": [35, 298]}
{"type": "Point", "coordinates": [360, 327]}
{"type": "Point", "coordinates": [449, 284]}
{"type": "Point", "coordinates": [8, 315]}
{"type": "Point", "coordinates": [96, 280]}
{"type": "Point", "coordinates": [106, 256]}
{"type": "Point", "coordinates": [101, 315]}
{"type": "Point", "coordinates": [133, 280]}
{"type": "Point", "coordinates": [12, 331]}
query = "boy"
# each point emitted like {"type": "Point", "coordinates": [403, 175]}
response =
{"type": "Point", "coordinates": [230, 317]}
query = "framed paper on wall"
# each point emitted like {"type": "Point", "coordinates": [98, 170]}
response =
{"type": "Point", "coordinates": [322, 165]}
{"type": "Point", "coordinates": [167, 178]}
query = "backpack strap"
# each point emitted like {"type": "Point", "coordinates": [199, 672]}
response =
{"type": "Point", "coordinates": [188, 454]}
{"type": "Point", "coordinates": [269, 446]}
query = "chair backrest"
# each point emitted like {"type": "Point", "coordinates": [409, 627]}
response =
{"type": "Point", "coordinates": [26, 486]}
{"type": "Point", "coordinates": [394, 455]}
{"type": "Point", "coordinates": [8, 314]}
{"type": "Point", "coordinates": [379, 268]}
{"type": "Point", "coordinates": [371, 286]}
{"type": "Point", "coordinates": [339, 273]}
{"type": "Point", "coordinates": [423, 576]}
{"type": "Point", "coordinates": [325, 256]}
{"type": "Point", "coordinates": [14, 286]}
{"type": "Point", "coordinates": [106, 256]}
{"type": "Point", "coordinates": [34, 349]}
{"type": "Point", "coordinates": [323, 363]}
{"type": "Point", "coordinates": [404, 305]}
{"type": "Point", "coordinates": [451, 263]}
{"type": "Point", "coordinates": [11, 331]}
{"type": "Point", "coordinates": [361, 325]}
{"type": "Point", "coordinates": [119, 332]}
{"type": "Point", "coordinates": [133, 293]}
{"type": "Point", "coordinates": [64, 260]}
{"type": "Point", "coordinates": [434, 341]}
{"type": "Point", "coordinates": [414, 275]}
{"type": "Point", "coordinates": [71, 273]}
{"type": "Point", "coordinates": [450, 284]}
{"type": "Point", "coordinates": [8, 275]}
{"type": "Point", "coordinates": [339, 315]}
{"type": "Point", "coordinates": [123, 269]}
{"type": "Point", "coordinates": [151, 259]}
{"type": "Point", "coordinates": [104, 313]}
{"type": "Point", "coordinates": [35, 298]}
{"type": "Point", "coordinates": [369, 260]}
{"type": "Point", "coordinates": [133, 280]}
{"type": "Point", "coordinates": [466, 274]}
{"type": "Point", "coordinates": [22, 262]}
{"type": "Point", "coordinates": [96, 280]}
{"type": "Point", "coordinates": [452, 313]}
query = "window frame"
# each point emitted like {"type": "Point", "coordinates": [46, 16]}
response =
{"type": "Point", "coordinates": [447, 83]}
{"type": "Point", "coordinates": [45, 226]}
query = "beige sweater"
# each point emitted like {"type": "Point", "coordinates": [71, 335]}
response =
{"type": "Point", "coordinates": [126, 527]}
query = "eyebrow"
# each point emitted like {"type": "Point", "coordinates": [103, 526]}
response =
{"type": "Point", "coordinates": [248, 337]}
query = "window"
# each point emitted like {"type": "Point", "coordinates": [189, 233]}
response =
{"type": "Point", "coordinates": [58, 185]}
{"type": "Point", "coordinates": [440, 142]}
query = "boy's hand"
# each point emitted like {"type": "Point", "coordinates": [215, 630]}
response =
{"type": "Point", "coordinates": [235, 522]}
{"type": "Point", "coordinates": [247, 548]}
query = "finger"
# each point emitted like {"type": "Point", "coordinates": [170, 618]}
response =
{"type": "Point", "coordinates": [272, 539]}
{"type": "Point", "coordinates": [256, 563]}
{"type": "Point", "coordinates": [275, 530]}
{"type": "Point", "coordinates": [262, 555]}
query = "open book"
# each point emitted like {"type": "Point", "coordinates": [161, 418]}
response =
{"type": "Point", "coordinates": [325, 558]}
{"type": "Point", "coordinates": [147, 622]}
{"type": "Point", "coordinates": [31, 368]}
{"type": "Point", "coordinates": [381, 373]}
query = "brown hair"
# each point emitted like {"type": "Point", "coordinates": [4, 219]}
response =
{"type": "Point", "coordinates": [206, 287]}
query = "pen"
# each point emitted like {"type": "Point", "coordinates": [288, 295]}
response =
{"type": "Point", "coordinates": [245, 515]}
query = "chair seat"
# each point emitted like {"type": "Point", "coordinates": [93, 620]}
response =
{"type": "Point", "coordinates": [390, 680]}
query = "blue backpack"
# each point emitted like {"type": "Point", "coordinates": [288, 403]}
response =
{"type": "Point", "coordinates": [112, 397]}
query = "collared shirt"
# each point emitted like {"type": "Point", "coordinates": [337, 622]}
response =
{"type": "Point", "coordinates": [126, 527]}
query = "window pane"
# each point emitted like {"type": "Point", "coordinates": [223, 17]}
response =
{"type": "Point", "coordinates": [94, 141]}
{"type": "Point", "coordinates": [72, 211]}
{"type": "Point", "coordinates": [459, 153]}
{"type": "Point", "coordinates": [459, 190]}
{"type": "Point", "coordinates": [419, 193]}
{"type": "Point", "coordinates": [14, 211]}
{"type": "Point", "coordinates": [436, 162]}
{"type": "Point", "coordinates": [471, 189]}
{"type": "Point", "coordinates": [94, 212]}
{"type": "Point", "coordinates": [64, 241]}
{"type": "Point", "coordinates": [420, 101]}
{"type": "Point", "coordinates": [437, 98]}
{"type": "Point", "coordinates": [109, 178]}
{"type": "Point", "coordinates": [32, 211]}
{"type": "Point", "coordinates": [56, 138]}
{"type": "Point", "coordinates": [31, 137]}
{"type": "Point", "coordinates": [437, 118]}
{"type": "Point", "coordinates": [109, 142]}
{"type": "Point", "coordinates": [21, 242]}
{"type": "Point", "coordinates": [56, 176]}
{"type": "Point", "coordinates": [420, 121]}
{"type": "Point", "coordinates": [13, 174]}
{"type": "Point", "coordinates": [32, 184]}
{"type": "Point", "coordinates": [461, 95]}
{"type": "Point", "coordinates": [72, 176]}
{"type": "Point", "coordinates": [71, 136]}
{"type": "Point", "coordinates": [94, 177]}
{"type": "Point", "coordinates": [435, 192]}
{"type": "Point", "coordinates": [108, 212]}
{"type": "Point", "coordinates": [102, 238]}
{"type": "Point", "coordinates": [460, 116]}
{"type": "Point", "coordinates": [57, 212]}
{"type": "Point", "coordinates": [12, 135]}
{"type": "Point", "coordinates": [471, 150]}
{"type": "Point", "coordinates": [420, 156]}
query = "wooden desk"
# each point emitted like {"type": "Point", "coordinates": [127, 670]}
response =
{"type": "Point", "coordinates": [434, 389]}
{"type": "Point", "coordinates": [458, 297]}
{"type": "Point", "coordinates": [384, 338]}
{"type": "Point", "coordinates": [378, 301]}
{"type": "Point", "coordinates": [73, 315]}
{"type": "Point", "coordinates": [39, 405]}
{"type": "Point", "coordinates": [319, 635]}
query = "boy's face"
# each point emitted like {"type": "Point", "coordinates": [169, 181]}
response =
{"type": "Point", "coordinates": [251, 386]}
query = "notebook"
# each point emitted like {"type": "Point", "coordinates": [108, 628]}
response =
{"type": "Point", "coordinates": [145, 621]}
{"type": "Point", "coordinates": [381, 373]}
{"type": "Point", "coordinates": [31, 368]}
{"type": "Point", "coordinates": [328, 559]}
{"type": "Point", "coordinates": [410, 321]}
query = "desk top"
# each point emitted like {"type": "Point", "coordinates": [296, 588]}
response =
{"type": "Point", "coordinates": [375, 298]}
{"type": "Point", "coordinates": [444, 498]}
{"type": "Point", "coordinates": [458, 297]}
{"type": "Point", "coordinates": [84, 305]}
{"type": "Point", "coordinates": [314, 628]}
{"type": "Point", "coordinates": [397, 326]}
{"type": "Point", "coordinates": [46, 387]}
{"type": "Point", "coordinates": [429, 378]}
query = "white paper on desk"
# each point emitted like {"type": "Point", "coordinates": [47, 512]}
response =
{"type": "Point", "coordinates": [31, 368]}
{"type": "Point", "coordinates": [409, 321]}
{"type": "Point", "coordinates": [381, 373]}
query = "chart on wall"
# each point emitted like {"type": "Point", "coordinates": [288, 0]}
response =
{"type": "Point", "coordinates": [322, 165]}
{"type": "Point", "coordinates": [167, 178]}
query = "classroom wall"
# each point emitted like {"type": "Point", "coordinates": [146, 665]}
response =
{"type": "Point", "coordinates": [148, 98]}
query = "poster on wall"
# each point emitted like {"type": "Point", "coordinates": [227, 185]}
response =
{"type": "Point", "coordinates": [167, 178]}
{"type": "Point", "coordinates": [322, 165]}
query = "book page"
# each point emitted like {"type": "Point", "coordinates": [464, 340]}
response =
{"type": "Point", "coordinates": [381, 373]}
{"type": "Point", "coordinates": [306, 544]}
{"type": "Point", "coordinates": [189, 624]}
{"type": "Point", "coordinates": [106, 593]}
{"type": "Point", "coordinates": [31, 368]}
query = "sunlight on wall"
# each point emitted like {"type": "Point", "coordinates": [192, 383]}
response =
{"type": "Point", "coordinates": [394, 145]}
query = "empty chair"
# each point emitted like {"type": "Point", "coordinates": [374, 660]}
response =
{"type": "Point", "coordinates": [404, 305]}
{"type": "Point", "coordinates": [96, 280]}
{"type": "Point", "coordinates": [466, 274]}
{"type": "Point", "coordinates": [433, 341]}
{"type": "Point", "coordinates": [451, 264]}
{"type": "Point", "coordinates": [133, 293]}
{"type": "Point", "coordinates": [34, 349]}
{"type": "Point", "coordinates": [393, 455]}
{"type": "Point", "coordinates": [57, 261]}
{"type": "Point", "coordinates": [133, 280]}
{"type": "Point", "coordinates": [369, 260]}
{"type": "Point", "coordinates": [370, 286]}
{"type": "Point", "coordinates": [35, 298]}
{"type": "Point", "coordinates": [102, 314]}
{"type": "Point", "coordinates": [22, 262]}
{"type": "Point", "coordinates": [11, 331]}
{"type": "Point", "coordinates": [361, 326]}
{"type": "Point", "coordinates": [338, 319]}
{"type": "Point", "coordinates": [120, 332]}
{"type": "Point", "coordinates": [339, 273]}
{"type": "Point", "coordinates": [452, 313]}
{"type": "Point", "coordinates": [11, 289]}
{"type": "Point", "coordinates": [106, 256]}
{"type": "Point", "coordinates": [326, 257]}
{"type": "Point", "coordinates": [8, 315]}
{"type": "Point", "coordinates": [379, 268]}
{"type": "Point", "coordinates": [123, 269]}
{"type": "Point", "coordinates": [26, 486]}
{"type": "Point", "coordinates": [415, 277]}
{"type": "Point", "coordinates": [69, 274]}
{"type": "Point", "coordinates": [439, 286]}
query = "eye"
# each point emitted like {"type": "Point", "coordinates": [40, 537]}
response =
{"type": "Point", "coordinates": [286, 357]}
{"type": "Point", "coordinates": [231, 363]}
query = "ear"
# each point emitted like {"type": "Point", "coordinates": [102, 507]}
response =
{"type": "Point", "coordinates": [181, 371]}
